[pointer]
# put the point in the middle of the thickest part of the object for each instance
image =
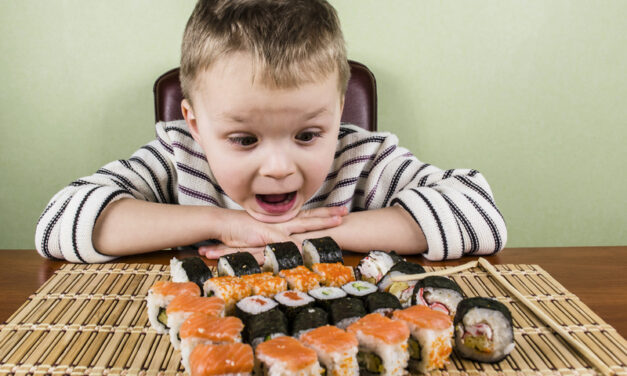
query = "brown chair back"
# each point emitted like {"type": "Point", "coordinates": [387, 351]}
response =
{"type": "Point", "coordinates": [360, 106]}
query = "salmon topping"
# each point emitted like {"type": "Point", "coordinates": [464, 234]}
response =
{"type": "Point", "coordinates": [168, 288]}
{"type": "Point", "coordinates": [185, 303]}
{"type": "Point", "coordinates": [207, 360]}
{"type": "Point", "coordinates": [424, 317]}
{"type": "Point", "coordinates": [211, 328]}
{"type": "Point", "coordinates": [381, 327]}
{"type": "Point", "coordinates": [329, 339]}
{"type": "Point", "coordinates": [287, 350]}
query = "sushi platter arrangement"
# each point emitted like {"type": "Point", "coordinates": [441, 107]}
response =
{"type": "Point", "coordinates": [307, 314]}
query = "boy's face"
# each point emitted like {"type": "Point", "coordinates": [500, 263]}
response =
{"type": "Point", "coordinates": [269, 149]}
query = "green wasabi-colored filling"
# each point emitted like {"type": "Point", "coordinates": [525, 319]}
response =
{"type": "Point", "coordinates": [210, 294]}
{"type": "Point", "coordinates": [359, 287]}
{"type": "Point", "coordinates": [163, 317]}
{"type": "Point", "coordinates": [324, 371]}
{"type": "Point", "coordinates": [371, 362]}
{"type": "Point", "coordinates": [414, 349]}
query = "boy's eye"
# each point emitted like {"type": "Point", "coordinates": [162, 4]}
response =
{"type": "Point", "coordinates": [243, 140]}
{"type": "Point", "coordinates": [307, 136]}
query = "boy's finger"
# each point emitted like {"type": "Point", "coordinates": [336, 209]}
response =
{"type": "Point", "coordinates": [312, 224]}
{"type": "Point", "coordinates": [324, 212]}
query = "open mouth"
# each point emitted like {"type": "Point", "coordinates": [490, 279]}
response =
{"type": "Point", "coordinates": [276, 203]}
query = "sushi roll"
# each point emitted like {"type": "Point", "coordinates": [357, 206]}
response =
{"type": "Point", "coordinates": [280, 256]}
{"type": "Point", "coordinates": [222, 360]}
{"type": "Point", "coordinates": [287, 356]}
{"type": "Point", "coordinates": [237, 264]}
{"type": "Point", "coordinates": [200, 328]}
{"type": "Point", "coordinates": [300, 278]}
{"type": "Point", "coordinates": [431, 339]}
{"type": "Point", "coordinates": [346, 311]}
{"type": "Point", "coordinates": [334, 275]}
{"type": "Point", "coordinates": [308, 319]}
{"type": "Point", "coordinates": [253, 305]}
{"type": "Point", "coordinates": [190, 269]}
{"type": "Point", "coordinates": [376, 264]}
{"type": "Point", "coordinates": [265, 326]}
{"type": "Point", "coordinates": [402, 290]}
{"type": "Point", "coordinates": [483, 330]}
{"type": "Point", "coordinates": [265, 284]}
{"type": "Point", "coordinates": [160, 295]}
{"type": "Point", "coordinates": [382, 302]}
{"type": "Point", "coordinates": [336, 349]}
{"type": "Point", "coordinates": [229, 289]}
{"type": "Point", "coordinates": [321, 250]}
{"type": "Point", "coordinates": [359, 289]}
{"type": "Point", "coordinates": [183, 306]}
{"type": "Point", "coordinates": [382, 345]}
{"type": "Point", "coordinates": [326, 295]}
{"type": "Point", "coordinates": [290, 302]}
{"type": "Point", "coordinates": [438, 293]}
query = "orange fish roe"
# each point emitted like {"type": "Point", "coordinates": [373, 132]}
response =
{"type": "Point", "coordinates": [187, 303]}
{"type": "Point", "coordinates": [265, 284]}
{"type": "Point", "coordinates": [334, 274]}
{"type": "Point", "coordinates": [381, 327]}
{"type": "Point", "coordinates": [300, 278]}
{"type": "Point", "coordinates": [207, 360]}
{"type": "Point", "coordinates": [424, 317]}
{"type": "Point", "coordinates": [212, 328]}
{"type": "Point", "coordinates": [286, 350]}
{"type": "Point", "coordinates": [167, 288]}
{"type": "Point", "coordinates": [230, 289]}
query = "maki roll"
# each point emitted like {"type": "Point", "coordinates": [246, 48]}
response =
{"type": "Point", "coordinates": [321, 250]}
{"type": "Point", "coordinates": [439, 293]}
{"type": "Point", "coordinates": [335, 275]}
{"type": "Point", "coordinates": [160, 295]}
{"type": "Point", "coordinates": [326, 295]}
{"type": "Point", "coordinates": [287, 356]}
{"type": "Point", "coordinates": [359, 289]}
{"type": "Point", "coordinates": [402, 290]}
{"type": "Point", "coordinates": [346, 311]}
{"type": "Point", "coordinates": [189, 269]}
{"type": "Point", "coordinates": [229, 289]}
{"type": "Point", "coordinates": [265, 326]}
{"type": "Point", "coordinates": [291, 302]}
{"type": "Point", "coordinates": [382, 302]}
{"type": "Point", "coordinates": [382, 345]}
{"type": "Point", "coordinates": [237, 264]}
{"type": "Point", "coordinates": [308, 319]}
{"type": "Point", "coordinates": [431, 339]}
{"type": "Point", "coordinates": [336, 349]}
{"type": "Point", "coordinates": [265, 284]}
{"type": "Point", "coordinates": [376, 264]}
{"type": "Point", "coordinates": [483, 330]}
{"type": "Point", "coordinates": [253, 305]}
{"type": "Point", "coordinates": [300, 278]}
{"type": "Point", "coordinates": [222, 360]}
{"type": "Point", "coordinates": [280, 256]}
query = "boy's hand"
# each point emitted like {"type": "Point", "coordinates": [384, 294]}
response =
{"type": "Point", "coordinates": [243, 233]}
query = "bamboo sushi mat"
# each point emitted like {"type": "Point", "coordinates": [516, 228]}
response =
{"type": "Point", "coordinates": [91, 319]}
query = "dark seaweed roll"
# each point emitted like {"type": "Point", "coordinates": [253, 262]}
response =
{"type": "Point", "coordinates": [238, 264]}
{"type": "Point", "coordinates": [439, 293]}
{"type": "Point", "coordinates": [359, 289]}
{"type": "Point", "coordinates": [483, 330]}
{"type": "Point", "coordinates": [190, 269]}
{"type": "Point", "coordinates": [346, 311]}
{"type": "Point", "coordinates": [376, 264]}
{"type": "Point", "coordinates": [382, 302]}
{"type": "Point", "coordinates": [280, 256]}
{"type": "Point", "coordinates": [291, 302]}
{"type": "Point", "coordinates": [253, 305]}
{"type": "Point", "coordinates": [265, 326]}
{"type": "Point", "coordinates": [321, 250]}
{"type": "Point", "coordinates": [326, 295]}
{"type": "Point", "coordinates": [402, 290]}
{"type": "Point", "coordinates": [308, 319]}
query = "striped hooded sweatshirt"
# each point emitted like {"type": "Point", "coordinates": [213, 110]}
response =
{"type": "Point", "coordinates": [454, 208]}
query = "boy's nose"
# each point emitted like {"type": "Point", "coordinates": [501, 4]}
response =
{"type": "Point", "coordinates": [277, 165]}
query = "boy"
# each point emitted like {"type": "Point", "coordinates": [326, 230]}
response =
{"type": "Point", "coordinates": [261, 158]}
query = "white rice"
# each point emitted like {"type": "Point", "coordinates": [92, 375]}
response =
{"type": "Point", "coordinates": [275, 367]}
{"type": "Point", "coordinates": [450, 298]}
{"type": "Point", "coordinates": [327, 293]}
{"type": "Point", "coordinates": [394, 356]}
{"type": "Point", "coordinates": [154, 303]}
{"type": "Point", "coordinates": [340, 363]}
{"type": "Point", "coordinates": [359, 288]}
{"type": "Point", "coordinates": [224, 268]}
{"type": "Point", "coordinates": [310, 254]}
{"type": "Point", "coordinates": [432, 343]}
{"type": "Point", "coordinates": [374, 266]}
{"type": "Point", "coordinates": [270, 263]}
{"type": "Point", "coordinates": [501, 334]}
{"type": "Point", "coordinates": [251, 304]}
{"type": "Point", "coordinates": [175, 320]}
{"type": "Point", "coordinates": [177, 272]}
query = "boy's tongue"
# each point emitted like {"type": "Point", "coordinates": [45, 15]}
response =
{"type": "Point", "coordinates": [277, 203]}
{"type": "Point", "coordinates": [274, 199]}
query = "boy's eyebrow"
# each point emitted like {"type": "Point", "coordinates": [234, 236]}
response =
{"type": "Point", "coordinates": [238, 118]}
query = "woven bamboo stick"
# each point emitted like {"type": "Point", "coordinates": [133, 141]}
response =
{"type": "Point", "coordinates": [583, 350]}
{"type": "Point", "coordinates": [447, 271]}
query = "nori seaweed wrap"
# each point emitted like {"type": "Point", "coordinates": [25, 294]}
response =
{"type": "Point", "coordinates": [439, 293]}
{"type": "Point", "coordinates": [375, 265]}
{"type": "Point", "coordinates": [307, 319]}
{"type": "Point", "coordinates": [326, 295]}
{"type": "Point", "coordinates": [345, 311]}
{"type": "Point", "coordinates": [238, 264]}
{"type": "Point", "coordinates": [483, 329]}
{"type": "Point", "coordinates": [402, 290]}
{"type": "Point", "coordinates": [293, 301]}
{"type": "Point", "coordinates": [190, 269]}
{"type": "Point", "coordinates": [382, 302]}
{"type": "Point", "coordinates": [321, 250]}
{"type": "Point", "coordinates": [264, 326]}
{"type": "Point", "coordinates": [279, 256]}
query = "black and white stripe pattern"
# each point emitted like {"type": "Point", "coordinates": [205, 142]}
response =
{"type": "Point", "coordinates": [454, 208]}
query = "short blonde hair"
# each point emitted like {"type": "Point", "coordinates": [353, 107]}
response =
{"type": "Point", "coordinates": [291, 41]}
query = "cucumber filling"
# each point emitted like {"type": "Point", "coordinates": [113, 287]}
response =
{"type": "Point", "coordinates": [414, 349]}
{"type": "Point", "coordinates": [162, 317]}
{"type": "Point", "coordinates": [324, 370]}
{"type": "Point", "coordinates": [370, 362]}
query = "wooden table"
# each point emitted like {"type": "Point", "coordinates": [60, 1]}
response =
{"type": "Point", "coordinates": [597, 275]}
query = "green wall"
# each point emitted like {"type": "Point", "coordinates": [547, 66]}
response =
{"type": "Point", "coordinates": [531, 93]}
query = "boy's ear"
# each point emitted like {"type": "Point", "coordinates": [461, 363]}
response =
{"type": "Point", "coordinates": [190, 118]}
